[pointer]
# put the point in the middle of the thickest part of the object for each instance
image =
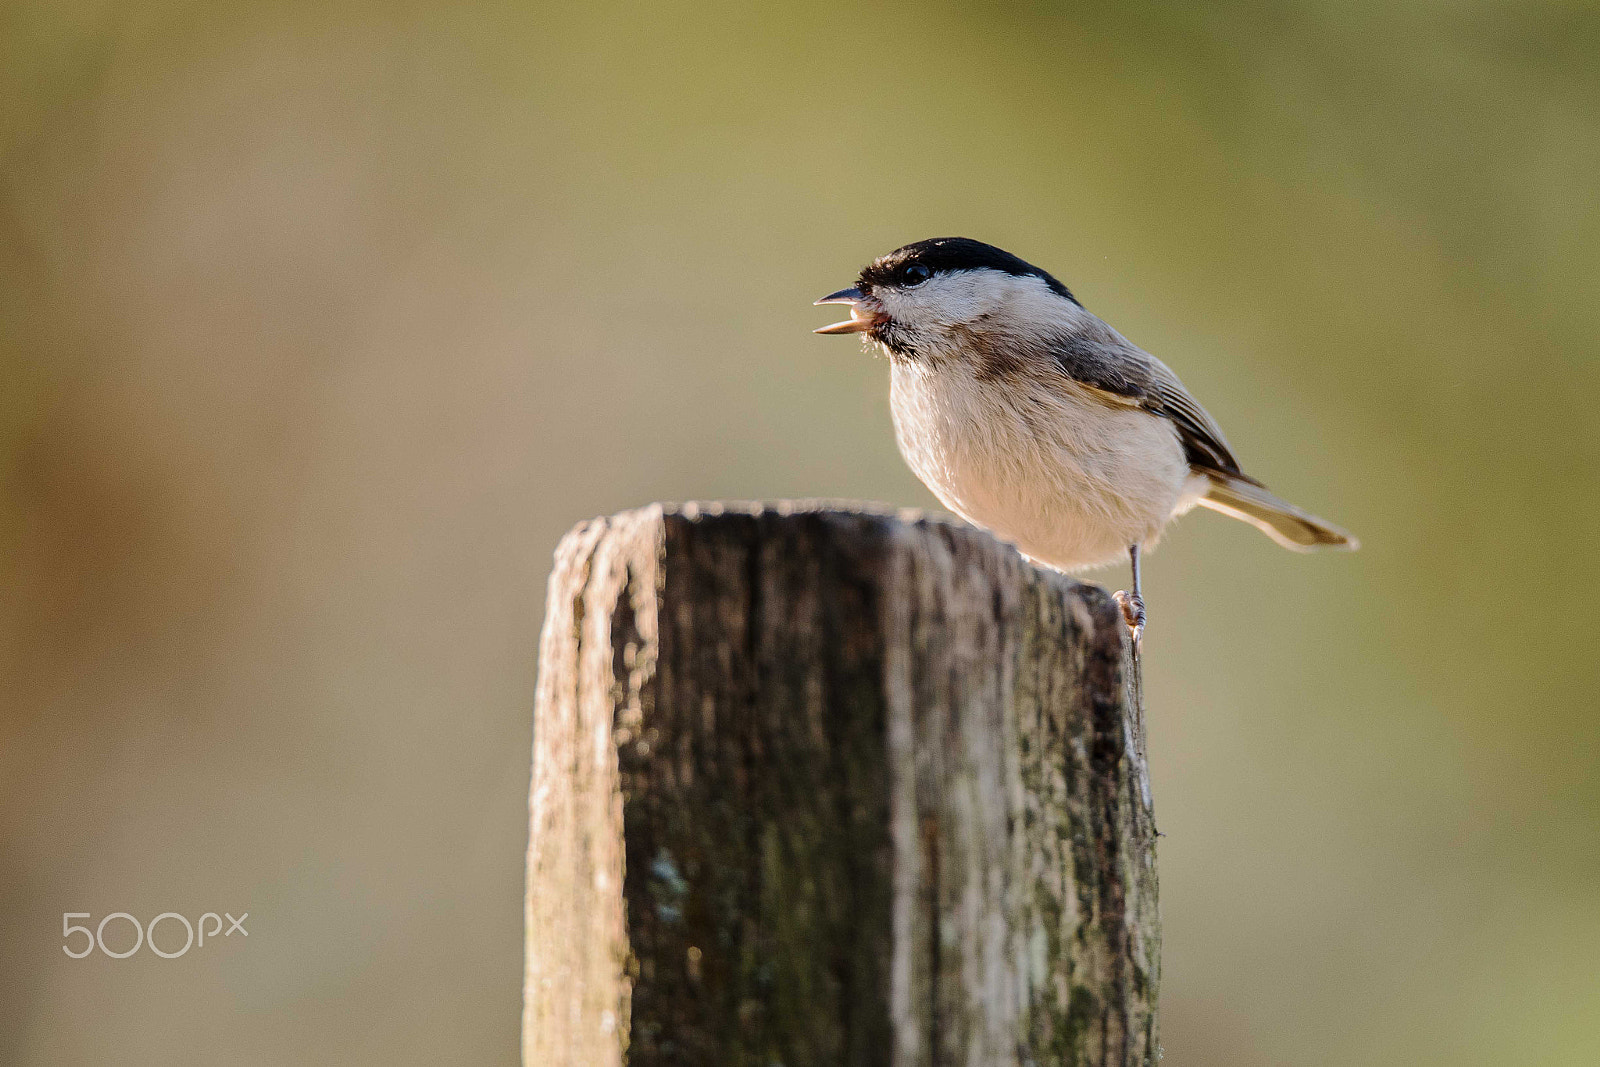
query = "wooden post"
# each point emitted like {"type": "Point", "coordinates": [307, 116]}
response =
{"type": "Point", "coordinates": [828, 787]}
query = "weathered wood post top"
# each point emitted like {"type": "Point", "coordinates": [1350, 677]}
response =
{"type": "Point", "coordinates": [816, 785]}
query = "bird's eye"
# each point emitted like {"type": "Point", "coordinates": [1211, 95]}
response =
{"type": "Point", "coordinates": [914, 274]}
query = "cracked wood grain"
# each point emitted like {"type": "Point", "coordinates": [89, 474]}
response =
{"type": "Point", "coordinates": [819, 786]}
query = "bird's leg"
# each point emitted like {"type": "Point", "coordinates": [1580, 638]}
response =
{"type": "Point", "coordinates": [1131, 602]}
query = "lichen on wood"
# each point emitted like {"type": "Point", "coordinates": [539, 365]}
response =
{"type": "Point", "coordinates": [818, 786]}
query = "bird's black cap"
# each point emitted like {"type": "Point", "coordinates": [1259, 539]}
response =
{"type": "Point", "coordinates": [944, 254]}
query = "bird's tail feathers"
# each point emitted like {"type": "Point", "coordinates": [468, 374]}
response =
{"type": "Point", "coordinates": [1243, 498]}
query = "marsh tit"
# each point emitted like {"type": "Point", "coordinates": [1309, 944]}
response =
{"type": "Point", "coordinates": [1028, 416]}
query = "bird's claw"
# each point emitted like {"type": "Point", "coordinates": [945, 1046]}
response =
{"type": "Point", "coordinates": [1132, 605]}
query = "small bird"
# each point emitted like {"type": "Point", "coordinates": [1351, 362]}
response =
{"type": "Point", "coordinates": [1029, 416]}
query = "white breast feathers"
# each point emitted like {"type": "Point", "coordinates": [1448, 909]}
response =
{"type": "Point", "coordinates": [1067, 474]}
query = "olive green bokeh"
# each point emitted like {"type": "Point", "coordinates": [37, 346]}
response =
{"type": "Point", "coordinates": [321, 322]}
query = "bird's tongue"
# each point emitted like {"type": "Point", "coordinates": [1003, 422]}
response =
{"type": "Point", "coordinates": [860, 321]}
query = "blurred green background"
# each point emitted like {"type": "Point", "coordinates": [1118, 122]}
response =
{"type": "Point", "coordinates": [321, 322]}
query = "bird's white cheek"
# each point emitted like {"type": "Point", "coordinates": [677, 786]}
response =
{"type": "Point", "coordinates": [948, 300]}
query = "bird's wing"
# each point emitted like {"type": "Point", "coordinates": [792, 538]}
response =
{"type": "Point", "coordinates": [1129, 375]}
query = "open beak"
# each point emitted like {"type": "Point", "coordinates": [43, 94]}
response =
{"type": "Point", "coordinates": [862, 317]}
